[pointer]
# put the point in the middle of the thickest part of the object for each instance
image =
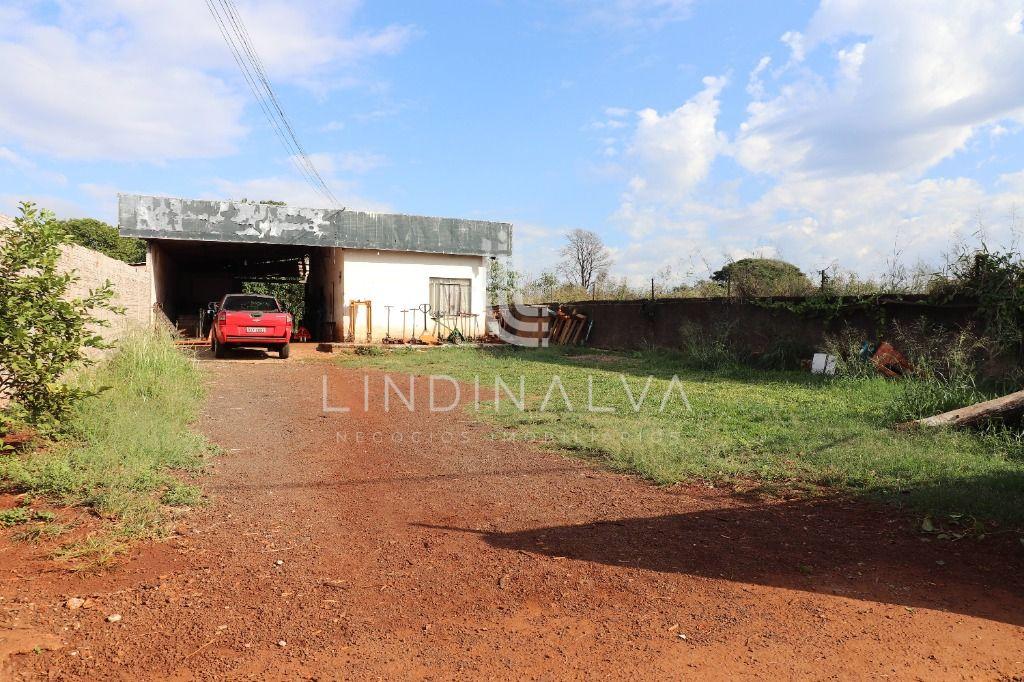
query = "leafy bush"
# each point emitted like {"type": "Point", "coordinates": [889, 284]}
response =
{"type": "Point", "coordinates": [44, 332]}
{"type": "Point", "coordinates": [994, 279]}
{"type": "Point", "coordinates": [291, 295]}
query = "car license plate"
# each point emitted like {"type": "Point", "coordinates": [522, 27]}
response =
{"type": "Point", "coordinates": [255, 330]}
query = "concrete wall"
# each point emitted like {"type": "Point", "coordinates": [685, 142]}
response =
{"type": "Point", "coordinates": [160, 267]}
{"type": "Point", "coordinates": [753, 328]}
{"type": "Point", "coordinates": [402, 280]}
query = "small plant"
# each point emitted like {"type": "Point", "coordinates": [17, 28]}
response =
{"type": "Point", "coordinates": [15, 516]}
{"type": "Point", "coordinates": [847, 347]}
{"type": "Point", "coordinates": [372, 351]}
{"type": "Point", "coordinates": [39, 531]}
{"type": "Point", "coordinates": [182, 495]}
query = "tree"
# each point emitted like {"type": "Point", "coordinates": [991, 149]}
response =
{"type": "Point", "coordinates": [585, 258]}
{"type": "Point", "coordinates": [502, 282]}
{"type": "Point", "coordinates": [291, 295]}
{"type": "Point", "coordinates": [44, 331]}
{"type": "Point", "coordinates": [99, 236]}
{"type": "Point", "coordinates": [752, 277]}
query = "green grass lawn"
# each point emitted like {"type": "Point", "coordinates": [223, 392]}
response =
{"type": "Point", "coordinates": [743, 427]}
{"type": "Point", "coordinates": [126, 448]}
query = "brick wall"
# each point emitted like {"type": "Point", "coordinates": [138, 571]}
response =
{"type": "Point", "coordinates": [131, 285]}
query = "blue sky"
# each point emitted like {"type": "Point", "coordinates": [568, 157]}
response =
{"type": "Point", "coordinates": [685, 133]}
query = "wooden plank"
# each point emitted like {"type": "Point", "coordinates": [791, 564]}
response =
{"type": "Point", "coordinates": [1006, 406]}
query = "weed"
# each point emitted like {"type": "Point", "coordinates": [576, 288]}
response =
{"type": "Point", "coordinates": [15, 516]}
{"type": "Point", "coordinates": [372, 351]}
{"type": "Point", "coordinates": [40, 531]}
{"type": "Point", "coordinates": [94, 551]}
{"type": "Point", "coordinates": [182, 495]}
{"type": "Point", "coordinates": [124, 440]}
{"type": "Point", "coordinates": [701, 348]}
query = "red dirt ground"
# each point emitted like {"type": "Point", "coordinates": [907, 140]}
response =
{"type": "Point", "coordinates": [490, 558]}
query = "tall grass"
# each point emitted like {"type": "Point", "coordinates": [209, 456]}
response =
{"type": "Point", "coordinates": [125, 444]}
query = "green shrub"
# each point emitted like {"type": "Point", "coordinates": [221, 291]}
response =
{"type": "Point", "coordinates": [44, 332]}
{"type": "Point", "coordinates": [99, 236]}
{"type": "Point", "coordinates": [15, 516]}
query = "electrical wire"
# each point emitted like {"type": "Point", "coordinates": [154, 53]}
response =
{"type": "Point", "coordinates": [235, 35]}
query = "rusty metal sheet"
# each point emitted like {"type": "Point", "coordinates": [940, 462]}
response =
{"type": "Point", "coordinates": [150, 217]}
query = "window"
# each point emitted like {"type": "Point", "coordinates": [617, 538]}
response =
{"type": "Point", "coordinates": [450, 296]}
{"type": "Point", "coordinates": [253, 304]}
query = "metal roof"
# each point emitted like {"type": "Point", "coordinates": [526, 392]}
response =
{"type": "Point", "coordinates": [150, 217]}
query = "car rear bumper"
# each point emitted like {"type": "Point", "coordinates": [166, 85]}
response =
{"type": "Point", "coordinates": [255, 340]}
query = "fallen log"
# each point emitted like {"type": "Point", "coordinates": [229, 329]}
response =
{"type": "Point", "coordinates": [1006, 406]}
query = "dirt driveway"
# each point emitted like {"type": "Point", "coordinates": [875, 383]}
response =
{"type": "Point", "coordinates": [334, 548]}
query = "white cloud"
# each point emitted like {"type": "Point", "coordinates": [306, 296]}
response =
{"type": "Point", "coordinates": [151, 80]}
{"type": "Point", "coordinates": [632, 14]}
{"type": "Point", "coordinates": [844, 149]}
{"type": "Point", "coordinates": [347, 162]}
{"type": "Point", "coordinates": [294, 191]}
{"type": "Point", "coordinates": [30, 168]}
{"type": "Point", "coordinates": [927, 77]}
{"type": "Point", "coordinates": [673, 153]}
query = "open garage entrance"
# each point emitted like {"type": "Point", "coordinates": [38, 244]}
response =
{"type": "Point", "coordinates": [189, 275]}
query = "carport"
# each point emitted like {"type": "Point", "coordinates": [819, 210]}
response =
{"type": "Point", "coordinates": [189, 275]}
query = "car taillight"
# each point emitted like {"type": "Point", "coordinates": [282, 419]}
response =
{"type": "Point", "coordinates": [222, 317]}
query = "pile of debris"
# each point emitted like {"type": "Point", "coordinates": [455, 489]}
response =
{"type": "Point", "coordinates": [570, 328]}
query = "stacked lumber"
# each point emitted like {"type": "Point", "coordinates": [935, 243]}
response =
{"type": "Point", "coordinates": [569, 328]}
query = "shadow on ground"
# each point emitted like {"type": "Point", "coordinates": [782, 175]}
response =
{"type": "Point", "coordinates": [827, 546]}
{"type": "Point", "coordinates": [205, 354]}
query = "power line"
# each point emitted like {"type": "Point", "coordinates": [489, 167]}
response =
{"type": "Point", "coordinates": [254, 59]}
{"type": "Point", "coordinates": [262, 73]}
{"type": "Point", "coordinates": [243, 67]}
{"type": "Point", "coordinates": [235, 35]}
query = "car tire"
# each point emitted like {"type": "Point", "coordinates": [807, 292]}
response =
{"type": "Point", "coordinates": [218, 348]}
{"type": "Point", "coordinates": [284, 351]}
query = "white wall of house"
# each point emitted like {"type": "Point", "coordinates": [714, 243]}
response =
{"type": "Point", "coordinates": [401, 279]}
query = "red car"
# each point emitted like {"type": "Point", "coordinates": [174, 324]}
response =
{"type": "Point", "coordinates": [251, 320]}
